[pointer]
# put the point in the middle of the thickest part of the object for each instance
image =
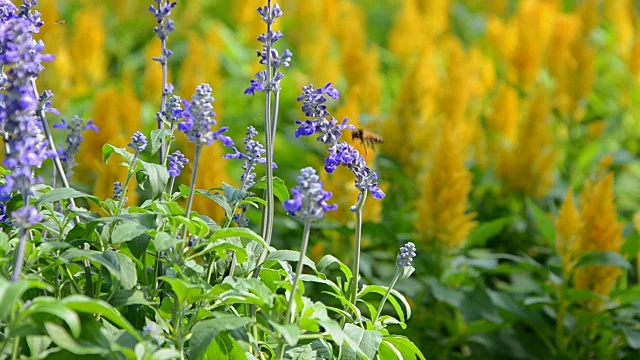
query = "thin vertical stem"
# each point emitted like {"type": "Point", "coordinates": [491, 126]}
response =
{"type": "Point", "coordinates": [163, 98]}
{"type": "Point", "coordinates": [353, 288]}
{"type": "Point", "coordinates": [17, 268]}
{"type": "Point", "coordinates": [386, 295]}
{"type": "Point", "coordinates": [294, 287]}
{"type": "Point", "coordinates": [125, 186]}
{"type": "Point", "coordinates": [267, 223]}
{"type": "Point", "coordinates": [194, 174]}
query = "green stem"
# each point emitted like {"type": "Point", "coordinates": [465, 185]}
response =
{"type": "Point", "coordinates": [19, 262]}
{"type": "Point", "coordinates": [125, 186]}
{"type": "Point", "coordinates": [353, 287]}
{"type": "Point", "coordinates": [16, 347]}
{"type": "Point", "coordinates": [294, 288]}
{"type": "Point", "coordinates": [194, 174]}
{"type": "Point", "coordinates": [386, 295]}
{"type": "Point", "coordinates": [267, 224]}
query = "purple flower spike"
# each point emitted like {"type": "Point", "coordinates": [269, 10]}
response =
{"type": "Point", "coordinates": [177, 161]}
{"type": "Point", "coordinates": [253, 155]}
{"type": "Point", "coordinates": [138, 142]}
{"type": "Point", "coordinates": [309, 199]}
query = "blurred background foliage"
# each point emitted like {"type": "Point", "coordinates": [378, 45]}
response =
{"type": "Point", "coordinates": [509, 127]}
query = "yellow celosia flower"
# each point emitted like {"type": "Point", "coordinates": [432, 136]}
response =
{"type": "Point", "coordinates": [600, 231]}
{"type": "Point", "coordinates": [87, 49]}
{"type": "Point", "coordinates": [152, 76]}
{"type": "Point", "coordinates": [404, 40]}
{"type": "Point", "coordinates": [442, 205]}
{"type": "Point", "coordinates": [534, 22]}
{"type": "Point", "coordinates": [504, 120]}
{"type": "Point", "coordinates": [567, 232]}
{"type": "Point", "coordinates": [116, 124]}
{"type": "Point", "coordinates": [413, 120]}
{"type": "Point", "coordinates": [619, 14]}
{"type": "Point", "coordinates": [529, 165]}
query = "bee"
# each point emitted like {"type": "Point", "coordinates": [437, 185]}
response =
{"type": "Point", "coordinates": [61, 22]}
{"type": "Point", "coordinates": [367, 138]}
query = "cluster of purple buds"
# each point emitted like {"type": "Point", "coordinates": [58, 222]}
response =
{"type": "Point", "coordinates": [74, 138]}
{"type": "Point", "coordinates": [199, 118]}
{"type": "Point", "coordinates": [253, 154]}
{"type": "Point", "coordinates": [118, 191]}
{"type": "Point", "coordinates": [269, 55]}
{"type": "Point", "coordinates": [161, 13]}
{"type": "Point", "coordinates": [26, 146]}
{"type": "Point", "coordinates": [138, 142]}
{"type": "Point", "coordinates": [309, 198]}
{"type": "Point", "coordinates": [406, 255]}
{"type": "Point", "coordinates": [330, 130]}
{"type": "Point", "coordinates": [177, 161]}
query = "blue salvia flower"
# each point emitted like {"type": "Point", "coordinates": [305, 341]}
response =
{"type": "Point", "coordinates": [22, 130]}
{"type": "Point", "coordinates": [268, 39]}
{"type": "Point", "coordinates": [199, 118]}
{"type": "Point", "coordinates": [74, 138]}
{"type": "Point", "coordinates": [24, 217]}
{"type": "Point", "coordinates": [177, 161]}
{"type": "Point", "coordinates": [253, 154]}
{"type": "Point", "coordinates": [7, 9]}
{"type": "Point", "coordinates": [309, 198]}
{"type": "Point", "coordinates": [138, 142]}
{"type": "Point", "coordinates": [406, 255]}
{"type": "Point", "coordinates": [330, 131]}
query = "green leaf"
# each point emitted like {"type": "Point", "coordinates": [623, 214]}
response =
{"type": "Point", "coordinates": [253, 199]}
{"type": "Point", "coordinates": [604, 258]}
{"type": "Point", "coordinates": [61, 338]}
{"type": "Point", "coordinates": [368, 341]}
{"type": "Point", "coordinates": [224, 347]}
{"type": "Point", "coordinates": [81, 303]}
{"type": "Point", "coordinates": [280, 190]}
{"type": "Point", "coordinates": [106, 259]}
{"type": "Point", "coordinates": [477, 304]}
{"type": "Point", "coordinates": [164, 241]}
{"type": "Point", "coordinates": [290, 332]}
{"type": "Point", "coordinates": [290, 255]}
{"type": "Point", "coordinates": [389, 351]}
{"type": "Point", "coordinates": [218, 199]}
{"type": "Point", "coordinates": [382, 290]}
{"type": "Point", "coordinates": [317, 350]}
{"type": "Point", "coordinates": [128, 274]}
{"type": "Point", "coordinates": [139, 245]}
{"type": "Point", "coordinates": [633, 337]}
{"type": "Point", "coordinates": [108, 150]}
{"type": "Point", "coordinates": [129, 297]}
{"type": "Point", "coordinates": [157, 176]}
{"type": "Point", "coordinates": [65, 194]}
{"type": "Point", "coordinates": [233, 195]}
{"type": "Point", "coordinates": [49, 306]}
{"type": "Point", "coordinates": [240, 232]}
{"type": "Point", "coordinates": [127, 231]}
{"type": "Point", "coordinates": [405, 346]}
{"type": "Point", "coordinates": [543, 221]}
{"type": "Point", "coordinates": [328, 260]}
{"type": "Point", "coordinates": [185, 291]}
{"type": "Point", "coordinates": [204, 331]}
{"type": "Point", "coordinates": [157, 136]}
{"type": "Point", "coordinates": [480, 234]}
{"type": "Point", "coordinates": [10, 293]}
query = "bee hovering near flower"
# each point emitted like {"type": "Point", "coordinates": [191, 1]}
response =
{"type": "Point", "coordinates": [367, 138]}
